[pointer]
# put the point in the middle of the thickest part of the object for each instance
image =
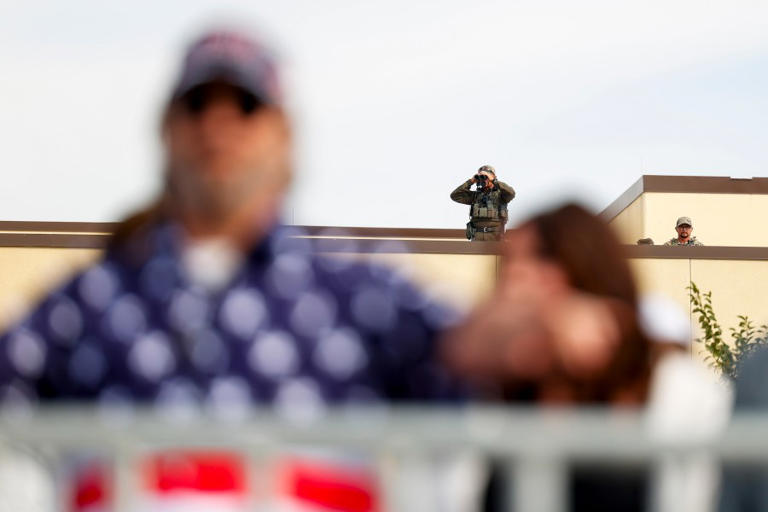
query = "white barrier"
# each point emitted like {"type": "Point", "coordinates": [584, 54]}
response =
{"type": "Point", "coordinates": [536, 445]}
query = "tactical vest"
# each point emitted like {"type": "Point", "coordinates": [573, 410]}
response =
{"type": "Point", "coordinates": [489, 206]}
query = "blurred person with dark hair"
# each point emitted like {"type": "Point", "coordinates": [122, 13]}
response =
{"type": "Point", "coordinates": [567, 296]}
{"type": "Point", "coordinates": [562, 328]}
{"type": "Point", "coordinates": [487, 204]}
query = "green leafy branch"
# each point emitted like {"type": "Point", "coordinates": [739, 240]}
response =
{"type": "Point", "coordinates": [745, 338]}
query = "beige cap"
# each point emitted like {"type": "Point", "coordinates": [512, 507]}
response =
{"type": "Point", "coordinates": [487, 168]}
{"type": "Point", "coordinates": [683, 220]}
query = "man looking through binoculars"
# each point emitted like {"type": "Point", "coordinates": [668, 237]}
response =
{"type": "Point", "coordinates": [488, 204]}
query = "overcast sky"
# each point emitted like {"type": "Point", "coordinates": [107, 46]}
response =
{"type": "Point", "coordinates": [395, 102]}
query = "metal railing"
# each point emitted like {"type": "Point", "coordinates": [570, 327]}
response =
{"type": "Point", "coordinates": [536, 446]}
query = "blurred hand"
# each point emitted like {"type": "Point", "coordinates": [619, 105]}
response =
{"type": "Point", "coordinates": [585, 332]}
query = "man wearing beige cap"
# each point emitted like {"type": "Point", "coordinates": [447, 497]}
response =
{"type": "Point", "coordinates": [684, 227]}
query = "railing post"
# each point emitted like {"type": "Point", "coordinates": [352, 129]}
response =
{"type": "Point", "coordinates": [408, 481]}
{"type": "Point", "coordinates": [125, 478]}
{"type": "Point", "coordinates": [536, 482]}
{"type": "Point", "coordinates": [262, 461]}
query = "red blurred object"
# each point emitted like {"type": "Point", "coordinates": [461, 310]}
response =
{"type": "Point", "coordinates": [318, 483]}
{"type": "Point", "coordinates": [207, 472]}
{"type": "Point", "coordinates": [332, 485]}
{"type": "Point", "coordinates": [91, 487]}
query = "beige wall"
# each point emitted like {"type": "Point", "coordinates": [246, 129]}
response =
{"type": "Point", "coordinates": [736, 285]}
{"type": "Point", "coordinates": [669, 277]}
{"type": "Point", "coordinates": [27, 273]}
{"type": "Point", "coordinates": [719, 219]}
{"type": "Point", "coordinates": [461, 279]}
{"type": "Point", "coordinates": [630, 223]}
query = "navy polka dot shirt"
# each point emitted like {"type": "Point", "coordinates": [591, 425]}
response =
{"type": "Point", "coordinates": [291, 328]}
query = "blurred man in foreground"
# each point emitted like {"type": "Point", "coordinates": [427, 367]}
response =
{"type": "Point", "coordinates": [204, 298]}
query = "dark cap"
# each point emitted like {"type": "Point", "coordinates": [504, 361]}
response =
{"type": "Point", "coordinates": [232, 57]}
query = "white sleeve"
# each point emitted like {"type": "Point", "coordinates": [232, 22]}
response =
{"type": "Point", "coordinates": [688, 404]}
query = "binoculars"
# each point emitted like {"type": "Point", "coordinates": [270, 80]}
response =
{"type": "Point", "coordinates": [480, 177]}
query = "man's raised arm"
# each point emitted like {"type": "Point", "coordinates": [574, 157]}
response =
{"type": "Point", "coordinates": [507, 192]}
{"type": "Point", "coordinates": [463, 194]}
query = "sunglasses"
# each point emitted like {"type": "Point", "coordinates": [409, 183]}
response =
{"type": "Point", "coordinates": [199, 99]}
